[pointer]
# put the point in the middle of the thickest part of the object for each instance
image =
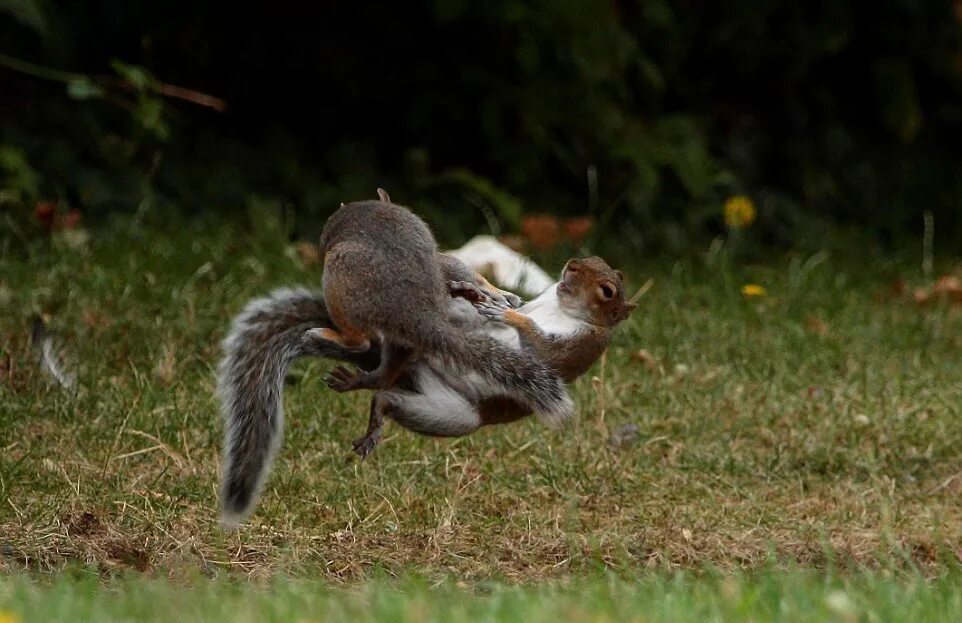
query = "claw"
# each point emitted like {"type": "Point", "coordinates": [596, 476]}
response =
{"type": "Point", "coordinates": [366, 444]}
{"type": "Point", "coordinates": [514, 301]}
{"type": "Point", "coordinates": [340, 379]}
{"type": "Point", "coordinates": [490, 310]}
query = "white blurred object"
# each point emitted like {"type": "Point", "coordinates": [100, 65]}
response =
{"type": "Point", "coordinates": [51, 355]}
{"type": "Point", "coordinates": [511, 270]}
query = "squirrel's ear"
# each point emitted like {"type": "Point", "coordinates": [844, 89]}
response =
{"type": "Point", "coordinates": [621, 276]}
{"type": "Point", "coordinates": [383, 196]}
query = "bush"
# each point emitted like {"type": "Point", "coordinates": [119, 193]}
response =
{"type": "Point", "coordinates": [645, 115]}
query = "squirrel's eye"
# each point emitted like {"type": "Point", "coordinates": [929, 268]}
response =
{"type": "Point", "coordinates": [607, 292]}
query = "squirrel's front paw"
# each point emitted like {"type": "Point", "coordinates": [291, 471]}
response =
{"type": "Point", "coordinates": [513, 300]}
{"type": "Point", "coordinates": [491, 310]}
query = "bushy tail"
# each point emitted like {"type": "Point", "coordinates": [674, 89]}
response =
{"type": "Point", "coordinates": [516, 373]}
{"type": "Point", "coordinates": [263, 341]}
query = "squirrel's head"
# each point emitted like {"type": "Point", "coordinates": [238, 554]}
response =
{"type": "Point", "coordinates": [591, 288]}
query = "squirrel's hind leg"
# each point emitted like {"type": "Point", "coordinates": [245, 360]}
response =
{"type": "Point", "coordinates": [347, 335]}
{"type": "Point", "coordinates": [365, 445]}
{"type": "Point", "coordinates": [394, 360]}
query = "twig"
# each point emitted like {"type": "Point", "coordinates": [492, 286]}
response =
{"type": "Point", "coordinates": [168, 90]}
{"type": "Point", "coordinates": [39, 71]}
{"type": "Point", "coordinates": [113, 447]}
{"type": "Point", "coordinates": [928, 237]}
{"type": "Point", "coordinates": [137, 452]}
{"type": "Point", "coordinates": [600, 389]}
{"type": "Point", "coordinates": [161, 88]}
{"type": "Point", "coordinates": [642, 291]}
{"type": "Point", "coordinates": [170, 452]}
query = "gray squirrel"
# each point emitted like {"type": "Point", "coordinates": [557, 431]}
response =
{"type": "Point", "coordinates": [568, 327]}
{"type": "Point", "coordinates": [445, 350]}
{"type": "Point", "coordinates": [385, 281]}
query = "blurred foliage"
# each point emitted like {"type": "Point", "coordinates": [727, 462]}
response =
{"type": "Point", "coordinates": [647, 115]}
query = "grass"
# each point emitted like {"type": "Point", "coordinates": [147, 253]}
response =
{"type": "Point", "coordinates": [816, 427]}
{"type": "Point", "coordinates": [796, 597]}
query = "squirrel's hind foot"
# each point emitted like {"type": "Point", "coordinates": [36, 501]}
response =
{"type": "Point", "coordinates": [366, 444]}
{"type": "Point", "coordinates": [341, 380]}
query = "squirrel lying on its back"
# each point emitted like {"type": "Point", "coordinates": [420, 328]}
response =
{"type": "Point", "coordinates": [388, 309]}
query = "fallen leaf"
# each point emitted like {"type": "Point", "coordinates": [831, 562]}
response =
{"type": "Point", "coordinates": [543, 231]}
{"type": "Point", "coordinates": [71, 220]}
{"type": "Point", "coordinates": [816, 325]}
{"type": "Point", "coordinates": [45, 212]}
{"type": "Point", "coordinates": [647, 359]}
{"type": "Point", "coordinates": [578, 228]}
{"type": "Point", "coordinates": [948, 286]}
{"type": "Point", "coordinates": [309, 253]}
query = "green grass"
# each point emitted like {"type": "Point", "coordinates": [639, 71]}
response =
{"type": "Point", "coordinates": [815, 428]}
{"type": "Point", "coordinates": [674, 598]}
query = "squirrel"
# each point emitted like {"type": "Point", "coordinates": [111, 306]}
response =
{"type": "Point", "coordinates": [385, 301]}
{"type": "Point", "coordinates": [382, 277]}
{"type": "Point", "coordinates": [568, 327]}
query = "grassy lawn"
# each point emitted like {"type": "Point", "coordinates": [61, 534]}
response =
{"type": "Point", "coordinates": [816, 427]}
{"type": "Point", "coordinates": [799, 596]}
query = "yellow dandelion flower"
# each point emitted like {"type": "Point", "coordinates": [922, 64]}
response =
{"type": "Point", "coordinates": [739, 212]}
{"type": "Point", "coordinates": [753, 289]}
{"type": "Point", "coordinates": [8, 617]}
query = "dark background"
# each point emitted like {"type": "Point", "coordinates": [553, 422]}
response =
{"type": "Point", "coordinates": [840, 119]}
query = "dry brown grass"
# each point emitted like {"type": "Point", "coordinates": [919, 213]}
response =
{"type": "Point", "coordinates": [740, 438]}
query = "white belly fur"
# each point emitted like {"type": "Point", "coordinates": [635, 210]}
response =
{"type": "Point", "coordinates": [547, 314]}
{"type": "Point", "coordinates": [445, 395]}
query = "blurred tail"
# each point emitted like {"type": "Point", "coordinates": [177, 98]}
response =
{"type": "Point", "coordinates": [264, 339]}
